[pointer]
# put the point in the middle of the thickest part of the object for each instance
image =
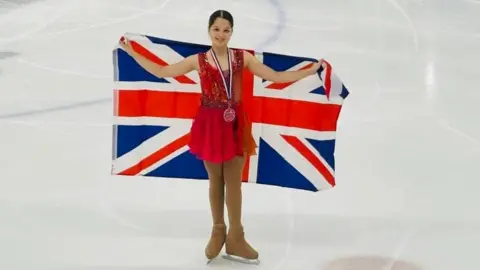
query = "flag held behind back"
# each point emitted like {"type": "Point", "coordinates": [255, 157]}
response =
{"type": "Point", "coordinates": [294, 124]}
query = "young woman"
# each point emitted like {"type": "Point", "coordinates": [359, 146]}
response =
{"type": "Point", "coordinates": [218, 135]}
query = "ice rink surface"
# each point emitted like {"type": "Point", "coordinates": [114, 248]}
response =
{"type": "Point", "coordinates": [407, 158]}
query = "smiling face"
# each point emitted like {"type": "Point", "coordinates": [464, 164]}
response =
{"type": "Point", "coordinates": [220, 32]}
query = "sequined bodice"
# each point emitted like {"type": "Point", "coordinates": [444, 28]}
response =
{"type": "Point", "coordinates": [213, 89]}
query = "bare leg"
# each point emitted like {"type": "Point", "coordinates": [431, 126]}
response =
{"type": "Point", "coordinates": [236, 244]}
{"type": "Point", "coordinates": [216, 195]}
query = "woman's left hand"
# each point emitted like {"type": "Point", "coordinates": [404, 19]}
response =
{"type": "Point", "coordinates": [315, 67]}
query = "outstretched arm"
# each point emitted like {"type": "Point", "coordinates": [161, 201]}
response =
{"type": "Point", "coordinates": [267, 73]}
{"type": "Point", "coordinates": [185, 66]}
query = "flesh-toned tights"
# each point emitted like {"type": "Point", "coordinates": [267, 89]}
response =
{"type": "Point", "coordinates": [225, 187]}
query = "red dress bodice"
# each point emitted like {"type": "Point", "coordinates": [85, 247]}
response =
{"type": "Point", "coordinates": [213, 90]}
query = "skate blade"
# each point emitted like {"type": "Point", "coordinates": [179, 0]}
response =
{"type": "Point", "coordinates": [240, 259]}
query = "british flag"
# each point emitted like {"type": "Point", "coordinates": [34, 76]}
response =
{"type": "Point", "coordinates": [294, 124]}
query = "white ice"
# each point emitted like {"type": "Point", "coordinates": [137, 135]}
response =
{"type": "Point", "coordinates": [408, 151]}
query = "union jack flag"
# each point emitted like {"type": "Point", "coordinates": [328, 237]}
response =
{"type": "Point", "coordinates": [294, 124]}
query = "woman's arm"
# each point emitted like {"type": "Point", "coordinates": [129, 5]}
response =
{"type": "Point", "coordinates": [185, 66]}
{"type": "Point", "coordinates": [267, 73]}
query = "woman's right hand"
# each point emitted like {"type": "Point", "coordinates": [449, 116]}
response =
{"type": "Point", "coordinates": [126, 45]}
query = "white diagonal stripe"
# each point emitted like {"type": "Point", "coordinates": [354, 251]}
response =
{"type": "Point", "coordinates": [164, 160]}
{"type": "Point", "coordinates": [317, 154]}
{"type": "Point", "coordinates": [295, 159]}
{"type": "Point", "coordinates": [148, 147]}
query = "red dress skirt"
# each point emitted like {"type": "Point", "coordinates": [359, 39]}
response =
{"type": "Point", "coordinates": [215, 140]}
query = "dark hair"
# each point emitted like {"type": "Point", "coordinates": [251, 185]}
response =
{"type": "Point", "coordinates": [220, 14]}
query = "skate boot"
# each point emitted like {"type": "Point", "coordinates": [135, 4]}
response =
{"type": "Point", "coordinates": [216, 242]}
{"type": "Point", "coordinates": [238, 249]}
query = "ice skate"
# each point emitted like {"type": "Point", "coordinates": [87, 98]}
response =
{"type": "Point", "coordinates": [216, 242]}
{"type": "Point", "coordinates": [238, 249]}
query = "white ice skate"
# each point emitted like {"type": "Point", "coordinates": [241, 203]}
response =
{"type": "Point", "coordinates": [238, 249]}
{"type": "Point", "coordinates": [241, 259]}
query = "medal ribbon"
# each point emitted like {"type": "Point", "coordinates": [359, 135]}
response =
{"type": "Point", "coordinates": [228, 89]}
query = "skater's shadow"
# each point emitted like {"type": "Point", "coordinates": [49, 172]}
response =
{"type": "Point", "coordinates": [10, 5]}
{"type": "Point", "coordinates": [151, 266]}
{"type": "Point", "coordinates": [370, 263]}
{"type": "Point", "coordinates": [5, 55]}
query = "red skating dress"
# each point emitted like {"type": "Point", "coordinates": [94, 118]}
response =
{"type": "Point", "coordinates": [212, 138]}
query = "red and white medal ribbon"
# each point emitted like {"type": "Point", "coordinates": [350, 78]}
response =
{"type": "Point", "coordinates": [229, 113]}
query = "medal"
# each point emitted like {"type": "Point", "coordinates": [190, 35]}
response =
{"type": "Point", "coordinates": [229, 113]}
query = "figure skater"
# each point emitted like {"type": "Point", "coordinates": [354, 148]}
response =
{"type": "Point", "coordinates": [219, 134]}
